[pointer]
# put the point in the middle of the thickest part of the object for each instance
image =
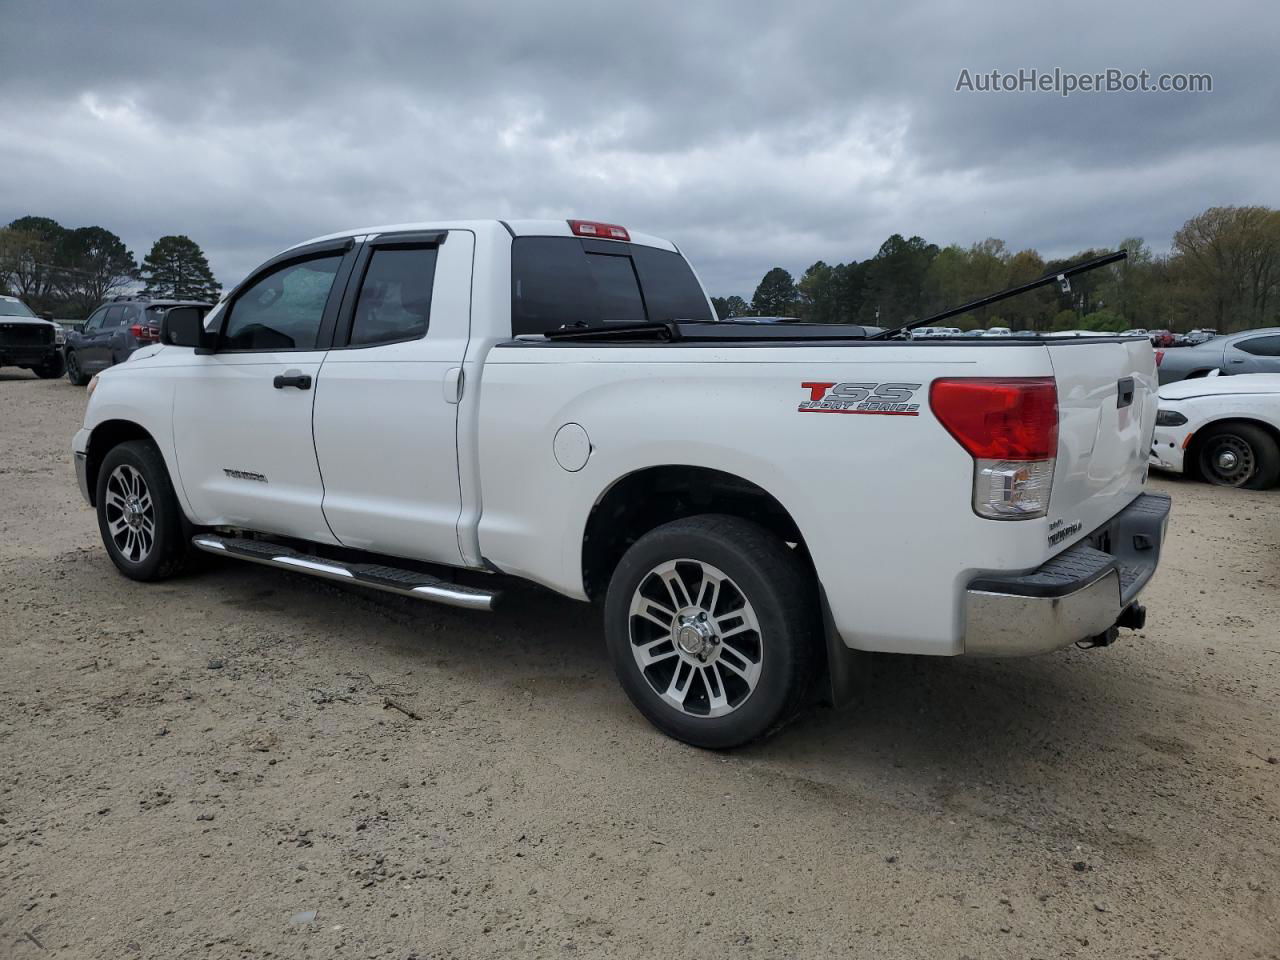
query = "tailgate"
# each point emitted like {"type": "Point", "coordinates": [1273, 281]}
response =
{"type": "Point", "coordinates": [1106, 416]}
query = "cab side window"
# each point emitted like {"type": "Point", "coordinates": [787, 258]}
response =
{"type": "Point", "coordinates": [282, 310]}
{"type": "Point", "coordinates": [395, 296]}
{"type": "Point", "coordinates": [95, 319]}
{"type": "Point", "coordinates": [1261, 346]}
{"type": "Point", "coordinates": [113, 319]}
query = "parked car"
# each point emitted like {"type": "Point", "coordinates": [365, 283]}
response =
{"type": "Point", "coordinates": [113, 332]}
{"type": "Point", "coordinates": [1193, 337]}
{"type": "Point", "coordinates": [998, 332]}
{"type": "Point", "coordinates": [555, 401]}
{"type": "Point", "coordinates": [1161, 338]}
{"type": "Point", "coordinates": [1135, 332]}
{"type": "Point", "coordinates": [1225, 430]}
{"type": "Point", "coordinates": [29, 341]}
{"type": "Point", "coordinates": [1252, 351]}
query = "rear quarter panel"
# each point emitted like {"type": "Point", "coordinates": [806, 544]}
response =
{"type": "Point", "coordinates": [883, 502]}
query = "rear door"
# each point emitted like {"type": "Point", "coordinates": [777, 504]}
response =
{"type": "Point", "coordinates": [1106, 416]}
{"type": "Point", "coordinates": [1253, 355]}
{"type": "Point", "coordinates": [386, 410]}
{"type": "Point", "coordinates": [242, 415]}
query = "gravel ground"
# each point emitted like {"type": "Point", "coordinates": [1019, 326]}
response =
{"type": "Point", "coordinates": [206, 768]}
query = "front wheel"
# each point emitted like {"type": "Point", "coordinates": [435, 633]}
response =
{"type": "Point", "coordinates": [1238, 455]}
{"type": "Point", "coordinates": [712, 623]}
{"type": "Point", "coordinates": [138, 514]}
{"type": "Point", "coordinates": [51, 369]}
{"type": "Point", "coordinates": [75, 373]}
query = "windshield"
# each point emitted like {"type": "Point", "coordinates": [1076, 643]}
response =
{"type": "Point", "coordinates": [14, 308]}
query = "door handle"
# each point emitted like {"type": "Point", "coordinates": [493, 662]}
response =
{"type": "Point", "coordinates": [1234, 360]}
{"type": "Point", "coordinates": [292, 378]}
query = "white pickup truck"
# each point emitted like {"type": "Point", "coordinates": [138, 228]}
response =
{"type": "Point", "coordinates": [422, 408]}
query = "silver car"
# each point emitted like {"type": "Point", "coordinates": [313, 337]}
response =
{"type": "Point", "coordinates": [1251, 351]}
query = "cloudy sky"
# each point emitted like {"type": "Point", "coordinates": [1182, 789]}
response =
{"type": "Point", "coordinates": [752, 134]}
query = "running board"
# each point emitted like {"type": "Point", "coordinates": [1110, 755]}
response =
{"type": "Point", "coordinates": [407, 583]}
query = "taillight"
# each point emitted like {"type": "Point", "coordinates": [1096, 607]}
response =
{"type": "Point", "coordinates": [136, 330]}
{"type": "Point", "coordinates": [1010, 428]}
{"type": "Point", "coordinates": [604, 231]}
{"type": "Point", "coordinates": [1159, 357]}
{"type": "Point", "coordinates": [144, 332]}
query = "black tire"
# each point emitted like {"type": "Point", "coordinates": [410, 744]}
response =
{"type": "Point", "coordinates": [1237, 455]}
{"type": "Point", "coordinates": [135, 557]}
{"type": "Point", "coordinates": [767, 576]}
{"type": "Point", "coordinates": [51, 369]}
{"type": "Point", "coordinates": [75, 375]}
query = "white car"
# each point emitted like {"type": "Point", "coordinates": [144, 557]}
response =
{"type": "Point", "coordinates": [425, 409]}
{"type": "Point", "coordinates": [1225, 430]}
{"type": "Point", "coordinates": [998, 332]}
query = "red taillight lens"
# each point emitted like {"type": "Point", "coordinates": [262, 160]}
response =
{"type": "Point", "coordinates": [136, 330]}
{"type": "Point", "coordinates": [999, 418]}
{"type": "Point", "coordinates": [604, 231]}
{"type": "Point", "coordinates": [1159, 357]}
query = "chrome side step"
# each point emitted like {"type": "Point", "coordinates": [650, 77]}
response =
{"type": "Point", "coordinates": [407, 583]}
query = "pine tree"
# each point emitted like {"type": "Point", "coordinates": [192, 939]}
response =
{"type": "Point", "coordinates": [177, 268]}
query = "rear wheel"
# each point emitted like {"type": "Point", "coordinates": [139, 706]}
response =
{"type": "Point", "coordinates": [138, 514]}
{"type": "Point", "coordinates": [1238, 455]}
{"type": "Point", "coordinates": [75, 374]}
{"type": "Point", "coordinates": [712, 624]}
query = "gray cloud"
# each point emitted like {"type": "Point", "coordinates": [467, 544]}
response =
{"type": "Point", "coordinates": [752, 134]}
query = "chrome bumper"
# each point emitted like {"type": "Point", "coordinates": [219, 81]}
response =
{"type": "Point", "coordinates": [1077, 595]}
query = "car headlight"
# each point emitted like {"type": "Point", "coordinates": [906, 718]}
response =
{"type": "Point", "coordinates": [59, 336]}
{"type": "Point", "coordinates": [1169, 418]}
{"type": "Point", "coordinates": [93, 385]}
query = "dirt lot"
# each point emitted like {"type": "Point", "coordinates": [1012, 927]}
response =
{"type": "Point", "coordinates": [185, 768]}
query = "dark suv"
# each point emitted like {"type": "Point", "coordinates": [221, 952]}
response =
{"type": "Point", "coordinates": [114, 331]}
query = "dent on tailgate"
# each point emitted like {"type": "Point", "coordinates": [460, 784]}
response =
{"type": "Point", "coordinates": [1106, 410]}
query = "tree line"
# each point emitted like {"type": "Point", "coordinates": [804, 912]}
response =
{"type": "Point", "coordinates": [68, 271]}
{"type": "Point", "coordinates": [1223, 271]}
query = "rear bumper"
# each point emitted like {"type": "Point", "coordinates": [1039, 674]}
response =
{"type": "Point", "coordinates": [1078, 595]}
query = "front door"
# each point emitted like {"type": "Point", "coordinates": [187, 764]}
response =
{"type": "Point", "coordinates": [386, 415]}
{"type": "Point", "coordinates": [96, 355]}
{"type": "Point", "coordinates": [242, 414]}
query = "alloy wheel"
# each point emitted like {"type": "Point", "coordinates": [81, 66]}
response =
{"type": "Point", "coordinates": [695, 638]}
{"type": "Point", "coordinates": [130, 513]}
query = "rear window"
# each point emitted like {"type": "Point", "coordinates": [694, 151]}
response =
{"type": "Point", "coordinates": [569, 282]}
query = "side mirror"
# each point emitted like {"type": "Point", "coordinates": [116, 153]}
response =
{"type": "Point", "coordinates": [184, 327]}
{"type": "Point", "coordinates": [46, 316]}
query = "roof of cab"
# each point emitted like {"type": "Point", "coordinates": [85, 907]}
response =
{"type": "Point", "coordinates": [518, 228]}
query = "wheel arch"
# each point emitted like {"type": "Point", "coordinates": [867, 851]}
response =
{"type": "Point", "coordinates": [105, 436]}
{"type": "Point", "coordinates": [648, 497]}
